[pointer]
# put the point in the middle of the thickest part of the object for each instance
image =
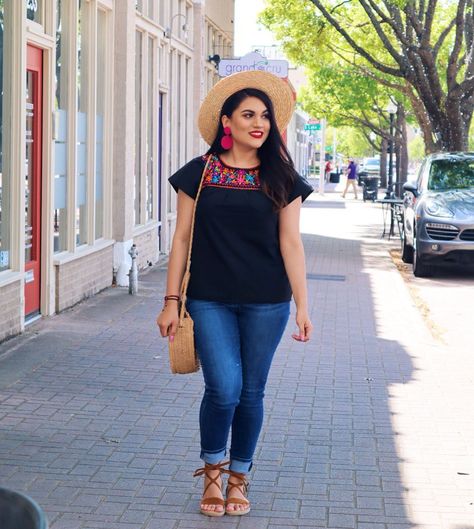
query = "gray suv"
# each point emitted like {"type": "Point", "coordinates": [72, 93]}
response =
{"type": "Point", "coordinates": [439, 213]}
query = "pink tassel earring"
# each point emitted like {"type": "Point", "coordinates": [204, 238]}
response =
{"type": "Point", "coordinates": [226, 140]}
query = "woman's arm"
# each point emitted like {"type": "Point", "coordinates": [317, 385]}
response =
{"type": "Point", "coordinates": [168, 319]}
{"type": "Point", "coordinates": [292, 251]}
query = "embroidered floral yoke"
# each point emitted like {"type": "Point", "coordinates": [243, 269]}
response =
{"type": "Point", "coordinates": [219, 174]}
{"type": "Point", "coordinates": [236, 254]}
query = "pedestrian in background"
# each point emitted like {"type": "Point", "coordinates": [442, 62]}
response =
{"type": "Point", "coordinates": [351, 173]}
{"type": "Point", "coordinates": [327, 171]}
{"type": "Point", "coordinates": [247, 261]}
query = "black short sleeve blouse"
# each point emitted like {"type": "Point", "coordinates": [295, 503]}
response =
{"type": "Point", "coordinates": [236, 254]}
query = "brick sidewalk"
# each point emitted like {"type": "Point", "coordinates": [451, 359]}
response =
{"type": "Point", "coordinates": [365, 425]}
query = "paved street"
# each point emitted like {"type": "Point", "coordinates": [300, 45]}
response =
{"type": "Point", "coordinates": [368, 426]}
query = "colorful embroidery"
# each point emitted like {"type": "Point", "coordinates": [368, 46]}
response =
{"type": "Point", "coordinates": [220, 175]}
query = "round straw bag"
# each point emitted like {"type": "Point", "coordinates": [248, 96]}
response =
{"type": "Point", "coordinates": [183, 354]}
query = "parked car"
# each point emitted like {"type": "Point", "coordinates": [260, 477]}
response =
{"type": "Point", "coordinates": [368, 168]}
{"type": "Point", "coordinates": [439, 213]}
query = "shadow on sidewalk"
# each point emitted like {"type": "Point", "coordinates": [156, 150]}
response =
{"type": "Point", "coordinates": [329, 441]}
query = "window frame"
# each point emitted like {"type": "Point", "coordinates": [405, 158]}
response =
{"type": "Point", "coordinates": [90, 239]}
{"type": "Point", "coordinates": [149, 30]}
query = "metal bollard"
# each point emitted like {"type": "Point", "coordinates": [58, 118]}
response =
{"type": "Point", "coordinates": [133, 274]}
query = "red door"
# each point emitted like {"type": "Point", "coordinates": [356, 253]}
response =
{"type": "Point", "coordinates": [33, 162]}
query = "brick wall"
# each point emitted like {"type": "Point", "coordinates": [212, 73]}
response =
{"type": "Point", "coordinates": [83, 277]}
{"type": "Point", "coordinates": [147, 246]}
{"type": "Point", "coordinates": [10, 314]}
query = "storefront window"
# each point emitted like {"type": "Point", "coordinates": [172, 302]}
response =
{"type": "Point", "coordinates": [138, 126]}
{"type": "Point", "coordinates": [81, 130]}
{"type": "Point", "coordinates": [178, 87]}
{"type": "Point", "coordinates": [187, 84]}
{"type": "Point", "coordinates": [150, 173]}
{"type": "Point", "coordinates": [99, 139]}
{"type": "Point", "coordinates": [4, 169]}
{"type": "Point", "coordinates": [34, 10]}
{"type": "Point", "coordinates": [147, 7]}
{"type": "Point", "coordinates": [161, 14]}
{"type": "Point", "coordinates": [151, 8]}
{"type": "Point", "coordinates": [61, 126]}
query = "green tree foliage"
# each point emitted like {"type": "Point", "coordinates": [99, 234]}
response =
{"type": "Point", "coordinates": [340, 91]}
{"type": "Point", "coordinates": [423, 49]}
{"type": "Point", "coordinates": [416, 149]}
{"type": "Point", "coordinates": [352, 142]}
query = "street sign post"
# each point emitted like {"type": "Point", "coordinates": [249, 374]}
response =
{"type": "Point", "coordinates": [322, 157]}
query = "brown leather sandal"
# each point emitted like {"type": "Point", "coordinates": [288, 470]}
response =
{"type": "Point", "coordinates": [213, 500]}
{"type": "Point", "coordinates": [243, 486]}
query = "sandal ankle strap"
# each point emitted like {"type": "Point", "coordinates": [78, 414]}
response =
{"type": "Point", "coordinates": [242, 485]}
{"type": "Point", "coordinates": [209, 467]}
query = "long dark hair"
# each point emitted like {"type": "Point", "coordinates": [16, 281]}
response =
{"type": "Point", "coordinates": [277, 172]}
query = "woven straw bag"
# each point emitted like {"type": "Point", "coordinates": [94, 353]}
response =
{"type": "Point", "coordinates": [183, 355]}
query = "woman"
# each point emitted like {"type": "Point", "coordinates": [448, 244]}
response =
{"type": "Point", "coordinates": [247, 261]}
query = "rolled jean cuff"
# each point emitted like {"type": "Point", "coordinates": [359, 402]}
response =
{"type": "Point", "coordinates": [243, 467]}
{"type": "Point", "coordinates": [212, 458]}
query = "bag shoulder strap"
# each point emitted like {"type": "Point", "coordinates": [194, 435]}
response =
{"type": "Point", "coordinates": [184, 283]}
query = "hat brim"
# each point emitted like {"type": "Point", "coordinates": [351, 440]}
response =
{"type": "Point", "coordinates": [277, 90]}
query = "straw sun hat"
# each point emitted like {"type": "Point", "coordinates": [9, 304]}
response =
{"type": "Point", "coordinates": [277, 90]}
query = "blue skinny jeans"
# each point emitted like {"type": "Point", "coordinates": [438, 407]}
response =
{"type": "Point", "coordinates": [235, 344]}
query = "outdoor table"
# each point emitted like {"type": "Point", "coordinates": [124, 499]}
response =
{"type": "Point", "coordinates": [394, 207]}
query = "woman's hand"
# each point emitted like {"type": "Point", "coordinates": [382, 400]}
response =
{"type": "Point", "coordinates": [304, 325]}
{"type": "Point", "coordinates": [168, 320]}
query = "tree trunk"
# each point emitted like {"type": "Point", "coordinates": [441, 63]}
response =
{"type": "Point", "coordinates": [423, 122]}
{"type": "Point", "coordinates": [397, 143]}
{"type": "Point", "coordinates": [402, 154]}
{"type": "Point", "coordinates": [449, 133]}
{"type": "Point", "coordinates": [448, 125]}
{"type": "Point", "coordinates": [383, 163]}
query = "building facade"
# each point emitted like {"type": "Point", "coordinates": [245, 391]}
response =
{"type": "Point", "coordinates": [102, 96]}
{"type": "Point", "coordinates": [299, 142]}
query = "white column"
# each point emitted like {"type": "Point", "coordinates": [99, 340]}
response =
{"type": "Point", "coordinates": [124, 137]}
{"type": "Point", "coordinates": [199, 69]}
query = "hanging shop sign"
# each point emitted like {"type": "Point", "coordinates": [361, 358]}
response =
{"type": "Point", "coordinates": [253, 61]}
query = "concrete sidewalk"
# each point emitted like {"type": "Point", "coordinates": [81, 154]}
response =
{"type": "Point", "coordinates": [368, 426]}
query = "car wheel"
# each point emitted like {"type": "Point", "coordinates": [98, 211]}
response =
{"type": "Point", "coordinates": [407, 251]}
{"type": "Point", "coordinates": [420, 269]}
